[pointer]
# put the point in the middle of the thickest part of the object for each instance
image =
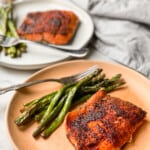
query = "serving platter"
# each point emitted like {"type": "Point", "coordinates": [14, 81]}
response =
{"type": "Point", "coordinates": [39, 56]}
{"type": "Point", "coordinates": [136, 91]}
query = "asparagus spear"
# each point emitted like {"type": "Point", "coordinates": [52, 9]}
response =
{"type": "Point", "coordinates": [49, 106]}
{"type": "Point", "coordinates": [59, 119]}
{"type": "Point", "coordinates": [100, 77]}
{"type": "Point", "coordinates": [102, 84]}
{"type": "Point", "coordinates": [114, 79]}
{"type": "Point", "coordinates": [42, 102]}
{"type": "Point", "coordinates": [3, 21]}
{"type": "Point", "coordinates": [51, 116]}
{"type": "Point", "coordinates": [75, 103]}
{"type": "Point", "coordinates": [54, 125]}
{"type": "Point", "coordinates": [43, 98]}
{"type": "Point", "coordinates": [53, 103]}
{"type": "Point", "coordinates": [114, 86]}
{"type": "Point", "coordinates": [10, 23]}
{"type": "Point", "coordinates": [81, 100]}
{"type": "Point", "coordinates": [12, 28]}
{"type": "Point", "coordinates": [57, 122]}
{"type": "Point", "coordinates": [7, 27]}
{"type": "Point", "coordinates": [29, 112]}
{"type": "Point", "coordinates": [39, 116]}
{"type": "Point", "coordinates": [46, 117]}
{"type": "Point", "coordinates": [93, 88]}
{"type": "Point", "coordinates": [22, 47]}
{"type": "Point", "coordinates": [4, 14]}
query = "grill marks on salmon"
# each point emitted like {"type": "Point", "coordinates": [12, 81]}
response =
{"type": "Point", "coordinates": [103, 123]}
{"type": "Point", "coordinates": [55, 26]}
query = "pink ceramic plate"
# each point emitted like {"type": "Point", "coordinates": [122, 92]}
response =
{"type": "Point", "coordinates": [137, 91]}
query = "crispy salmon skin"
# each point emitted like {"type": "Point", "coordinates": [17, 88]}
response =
{"type": "Point", "coordinates": [55, 26]}
{"type": "Point", "coordinates": [103, 123]}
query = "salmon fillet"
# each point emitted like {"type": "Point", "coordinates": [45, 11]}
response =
{"type": "Point", "coordinates": [103, 123]}
{"type": "Point", "coordinates": [55, 26]}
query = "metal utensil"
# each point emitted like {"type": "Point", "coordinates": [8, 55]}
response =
{"type": "Point", "coordinates": [64, 80]}
{"type": "Point", "coordinates": [6, 41]}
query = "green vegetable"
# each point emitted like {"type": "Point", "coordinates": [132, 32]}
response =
{"type": "Point", "coordinates": [67, 105]}
{"type": "Point", "coordinates": [54, 101]}
{"type": "Point", "coordinates": [31, 110]}
{"type": "Point", "coordinates": [59, 119]}
{"type": "Point", "coordinates": [8, 28]}
{"type": "Point", "coordinates": [50, 110]}
{"type": "Point", "coordinates": [12, 28]}
{"type": "Point", "coordinates": [3, 21]}
{"type": "Point", "coordinates": [51, 116]}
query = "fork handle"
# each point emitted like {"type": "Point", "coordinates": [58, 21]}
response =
{"type": "Point", "coordinates": [19, 86]}
{"type": "Point", "coordinates": [74, 53]}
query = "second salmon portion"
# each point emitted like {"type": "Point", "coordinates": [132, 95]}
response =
{"type": "Point", "coordinates": [55, 26]}
{"type": "Point", "coordinates": [103, 123]}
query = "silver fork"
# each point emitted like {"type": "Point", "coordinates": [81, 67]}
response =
{"type": "Point", "coordinates": [6, 41]}
{"type": "Point", "coordinates": [63, 80]}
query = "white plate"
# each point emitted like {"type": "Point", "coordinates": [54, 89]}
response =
{"type": "Point", "coordinates": [35, 58]}
{"type": "Point", "coordinates": [39, 57]}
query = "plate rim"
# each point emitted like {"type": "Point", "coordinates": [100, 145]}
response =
{"type": "Point", "coordinates": [53, 66]}
{"type": "Point", "coordinates": [16, 65]}
{"type": "Point", "coordinates": [73, 6]}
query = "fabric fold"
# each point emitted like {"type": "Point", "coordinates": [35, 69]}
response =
{"type": "Point", "coordinates": [122, 31]}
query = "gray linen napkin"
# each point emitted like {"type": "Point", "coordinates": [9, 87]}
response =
{"type": "Point", "coordinates": [122, 31]}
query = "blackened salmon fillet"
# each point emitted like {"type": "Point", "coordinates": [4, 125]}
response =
{"type": "Point", "coordinates": [103, 123]}
{"type": "Point", "coordinates": [55, 26]}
